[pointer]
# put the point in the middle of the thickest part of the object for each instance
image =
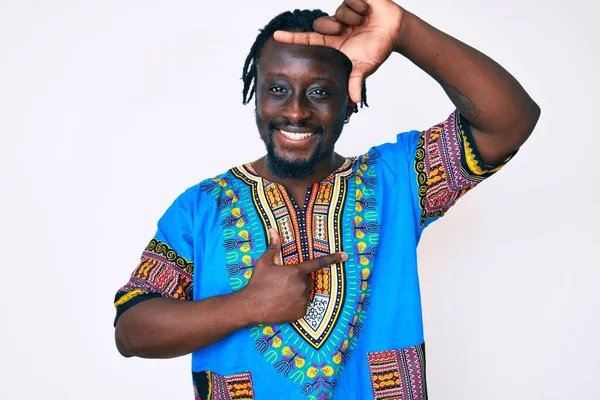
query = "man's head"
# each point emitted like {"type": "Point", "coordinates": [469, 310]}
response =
{"type": "Point", "coordinates": [301, 96]}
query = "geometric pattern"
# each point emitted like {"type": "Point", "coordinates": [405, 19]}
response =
{"type": "Point", "coordinates": [448, 165]}
{"type": "Point", "coordinates": [161, 271]}
{"type": "Point", "coordinates": [398, 374]}
{"type": "Point", "coordinates": [313, 351]}
{"type": "Point", "coordinates": [308, 232]}
{"type": "Point", "coordinates": [210, 386]}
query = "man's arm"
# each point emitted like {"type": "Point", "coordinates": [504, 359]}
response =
{"type": "Point", "coordinates": [166, 327]}
{"type": "Point", "coordinates": [500, 113]}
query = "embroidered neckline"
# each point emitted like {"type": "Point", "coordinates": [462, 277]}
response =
{"type": "Point", "coordinates": [348, 163]}
{"type": "Point", "coordinates": [342, 215]}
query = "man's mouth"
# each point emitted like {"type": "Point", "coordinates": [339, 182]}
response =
{"type": "Point", "coordinates": [296, 135]}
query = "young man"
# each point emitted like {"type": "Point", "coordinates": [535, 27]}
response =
{"type": "Point", "coordinates": [300, 269]}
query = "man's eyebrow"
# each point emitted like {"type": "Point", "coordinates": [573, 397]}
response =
{"type": "Point", "coordinates": [317, 78]}
{"type": "Point", "coordinates": [276, 75]}
{"type": "Point", "coordinates": [325, 79]}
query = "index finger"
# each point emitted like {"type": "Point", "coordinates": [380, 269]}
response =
{"type": "Point", "coordinates": [305, 38]}
{"type": "Point", "coordinates": [316, 264]}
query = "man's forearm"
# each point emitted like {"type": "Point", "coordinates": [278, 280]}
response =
{"type": "Point", "coordinates": [166, 328]}
{"type": "Point", "coordinates": [492, 100]}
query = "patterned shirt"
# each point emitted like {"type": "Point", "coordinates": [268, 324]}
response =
{"type": "Point", "coordinates": [362, 336]}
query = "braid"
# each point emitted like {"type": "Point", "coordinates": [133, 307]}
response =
{"type": "Point", "coordinates": [298, 20]}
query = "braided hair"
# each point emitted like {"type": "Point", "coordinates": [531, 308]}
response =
{"type": "Point", "coordinates": [299, 21]}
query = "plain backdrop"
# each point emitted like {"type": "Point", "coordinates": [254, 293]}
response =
{"type": "Point", "coordinates": [110, 109]}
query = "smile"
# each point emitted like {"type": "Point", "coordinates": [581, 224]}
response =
{"type": "Point", "coordinates": [295, 135]}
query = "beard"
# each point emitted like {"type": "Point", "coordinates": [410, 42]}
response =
{"type": "Point", "coordinates": [286, 168]}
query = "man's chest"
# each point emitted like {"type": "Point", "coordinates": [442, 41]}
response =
{"type": "Point", "coordinates": [338, 214]}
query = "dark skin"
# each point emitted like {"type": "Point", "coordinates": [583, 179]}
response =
{"type": "Point", "coordinates": [501, 115]}
{"type": "Point", "coordinates": [500, 112]}
{"type": "Point", "coordinates": [307, 87]}
{"type": "Point", "coordinates": [165, 328]}
{"type": "Point", "coordinates": [295, 85]}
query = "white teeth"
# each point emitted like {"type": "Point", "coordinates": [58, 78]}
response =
{"type": "Point", "coordinates": [296, 136]}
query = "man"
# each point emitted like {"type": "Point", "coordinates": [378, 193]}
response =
{"type": "Point", "coordinates": [300, 269]}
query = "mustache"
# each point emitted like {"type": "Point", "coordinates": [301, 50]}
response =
{"type": "Point", "coordinates": [280, 124]}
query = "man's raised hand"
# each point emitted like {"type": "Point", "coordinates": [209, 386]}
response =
{"type": "Point", "coordinates": [279, 293]}
{"type": "Point", "coordinates": [366, 31]}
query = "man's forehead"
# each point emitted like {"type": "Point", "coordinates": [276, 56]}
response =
{"type": "Point", "coordinates": [274, 54]}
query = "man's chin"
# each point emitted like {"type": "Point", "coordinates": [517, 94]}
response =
{"type": "Point", "coordinates": [290, 168]}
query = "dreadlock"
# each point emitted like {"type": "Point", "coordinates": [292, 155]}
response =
{"type": "Point", "coordinates": [299, 21]}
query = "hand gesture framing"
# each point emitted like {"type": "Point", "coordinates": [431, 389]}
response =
{"type": "Point", "coordinates": [366, 31]}
{"type": "Point", "coordinates": [279, 293]}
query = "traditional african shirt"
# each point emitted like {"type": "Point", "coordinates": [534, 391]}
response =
{"type": "Point", "coordinates": [362, 336]}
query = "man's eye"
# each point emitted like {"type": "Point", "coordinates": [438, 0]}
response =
{"type": "Point", "coordinates": [277, 89]}
{"type": "Point", "coordinates": [319, 92]}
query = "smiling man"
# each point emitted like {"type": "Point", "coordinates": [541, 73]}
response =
{"type": "Point", "coordinates": [298, 271]}
{"type": "Point", "coordinates": [301, 133]}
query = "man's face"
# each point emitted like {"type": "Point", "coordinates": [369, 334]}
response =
{"type": "Point", "coordinates": [301, 105]}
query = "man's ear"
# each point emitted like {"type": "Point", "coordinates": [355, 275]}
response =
{"type": "Point", "coordinates": [351, 109]}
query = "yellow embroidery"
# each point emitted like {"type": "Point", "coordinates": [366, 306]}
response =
{"type": "Point", "coordinates": [126, 297]}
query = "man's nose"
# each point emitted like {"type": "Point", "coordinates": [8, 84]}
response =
{"type": "Point", "coordinates": [297, 109]}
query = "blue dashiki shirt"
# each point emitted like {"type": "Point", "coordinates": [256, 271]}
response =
{"type": "Point", "coordinates": [362, 336]}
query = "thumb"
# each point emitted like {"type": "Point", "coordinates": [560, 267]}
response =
{"type": "Point", "coordinates": [355, 84]}
{"type": "Point", "coordinates": [274, 248]}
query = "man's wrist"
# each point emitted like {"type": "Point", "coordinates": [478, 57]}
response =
{"type": "Point", "coordinates": [407, 20]}
{"type": "Point", "coordinates": [243, 304]}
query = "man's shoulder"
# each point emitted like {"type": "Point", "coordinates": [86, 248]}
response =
{"type": "Point", "coordinates": [215, 186]}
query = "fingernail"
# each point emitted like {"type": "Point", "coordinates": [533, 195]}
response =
{"type": "Point", "coordinates": [344, 256]}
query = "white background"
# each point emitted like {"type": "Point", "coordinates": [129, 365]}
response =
{"type": "Point", "coordinates": [108, 110]}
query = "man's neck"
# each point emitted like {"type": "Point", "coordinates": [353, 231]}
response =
{"type": "Point", "coordinates": [323, 168]}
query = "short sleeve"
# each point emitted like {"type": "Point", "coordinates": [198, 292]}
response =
{"type": "Point", "coordinates": [442, 164]}
{"type": "Point", "coordinates": [448, 165]}
{"type": "Point", "coordinates": [166, 265]}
